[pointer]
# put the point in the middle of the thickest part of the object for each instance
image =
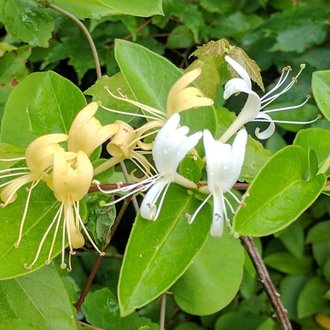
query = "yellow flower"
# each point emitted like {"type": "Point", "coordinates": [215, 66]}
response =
{"type": "Point", "coordinates": [39, 159]}
{"type": "Point", "coordinates": [87, 133]}
{"type": "Point", "coordinates": [70, 180]}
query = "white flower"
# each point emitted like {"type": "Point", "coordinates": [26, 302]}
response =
{"type": "Point", "coordinates": [251, 110]}
{"type": "Point", "coordinates": [170, 147]}
{"type": "Point", "coordinates": [223, 164]}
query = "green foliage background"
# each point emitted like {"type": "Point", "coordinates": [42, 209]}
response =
{"type": "Point", "coordinates": [275, 34]}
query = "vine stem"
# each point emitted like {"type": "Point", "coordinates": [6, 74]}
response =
{"type": "Point", "coordinates": [87, 34]}
{"type": "Point", "coordinates": [97, 264]}
{"type": "Point", "coordinates": [266, 282]}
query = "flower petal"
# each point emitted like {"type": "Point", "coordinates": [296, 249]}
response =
{"type": "Point", "coordinates": [269, 131]}
{"type": "Point", "coordinates": [239, 69]}
{"type": "Point", "coordinates": [217, 219]}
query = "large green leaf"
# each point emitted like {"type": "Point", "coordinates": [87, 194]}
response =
{"type": "Point", "coordinates": [279, 194]}
{"type": "Point", "coordinates": [43, 103]}
{"type": "Point", "coordinates": [101, 309]}
{"type": "Point", "coordinates": [321, 91]}
{"type": "Point", "coordinates": [27, 21]}
{"type": "Point", "coordinates": [316, 139]}
{"type": "Point", "coordinates": [214, 277]}
{"type": "Point", "coordinates": [149, 75]}
{"type": "Point", "coordinates": [38, 301]}
{"type": "Point", "coordinates": [159, 252]}
{"type": "Point", "coordinates": [41, 210]}
{"type": "Point", "coordinates": [101, 8]}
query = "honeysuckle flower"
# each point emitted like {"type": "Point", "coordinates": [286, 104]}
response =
{"type": "Point", "coordinates": [170, 147]}
{"type": "Point", "coordinates": [223, 164]}
{"type": "Point", "coordinates": [252, 109]}
{"type": "Point", "coordinates": [128, 143]}
{"type": "Point", "coordinates": [70, 180]}
{"type": "Point", "coordinates": [39, 160]}
{"type": "Point", "coordinates": [87, 133]}
{"type": "Point", "coordinates": [181, 97]}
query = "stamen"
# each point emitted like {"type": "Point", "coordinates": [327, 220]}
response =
{"type": "Point", "coordinates": [230, 206]}
{"type": "Point", "coordinates": [11, 159]}
{"type": "Point", "coordinates": [234, 196]}
{"type": "Point", "coordinates": [26, 207]}
{"type": "Point", "coordinates": [59, 216]}
{"type": "Point", "coordinates": [156, 113]}
{"type": "Point", "coordinates": [288, 108]}
{"type": "Point", "coordinates": [11, 169]}
{"type": "Point", "coordinates": [291, 122]}
{"type": "Point", "coordinates": [191, 220]}
{"type": "Point", "coordinates": [144, 162]}
{"type": "Point", "coordinates": [145, 171]}
{"type": "Point", "coordinates": [85, 231]}
{"type": "Point", "coordinates": [29, 267]}
{"type": "Point", "coordinates": [142, 137]}
{"type": "Point", "coordinates": [63, 264]}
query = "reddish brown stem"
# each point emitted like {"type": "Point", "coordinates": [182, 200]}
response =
{"type": "Point", "coordinates": [266, 282]}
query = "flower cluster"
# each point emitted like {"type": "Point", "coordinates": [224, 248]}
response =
{"type": "Point", "coordinates": [62, 160]}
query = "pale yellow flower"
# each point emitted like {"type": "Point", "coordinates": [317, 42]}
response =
{"type": "Point", "coordinates": [70, 180]}
{"type": "Point", "coordinates": [39, 159]}
{"type": "Point", "coordinates": [87, 133]}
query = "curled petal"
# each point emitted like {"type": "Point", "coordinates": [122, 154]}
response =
{"type": "Point", "coordinates": [87, 133]}
{"type": "Point", "coordinates": [234, 86]}
{"type": "Point", "coordinates": [181, 97]}
{"type": "Point", "coordinates": [239, 69]}
{"type": "Point", "coordinates": [40, 152]}
{"type": "Point", "coordinates": [269, 131]}
{"type": "Point", "coordinates": [9, 193]}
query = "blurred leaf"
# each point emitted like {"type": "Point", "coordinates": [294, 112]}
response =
{"type": "Point", "coordinates": [212, 280]}
{"type": "Point", "coordinates": [290, 288]}
{"type": "Point", "coordinates": [145, 9]}
{"type": "Point", "coordinates": [44, 102]}
{"type": "Point", "coordinates": [321, 251]}
{"type": "Point", "coordinates": [169, 243]}
{"type": "Point", "coordinates": [271, 203]}
{"type": "Point", "coordinates": [101, 310]}
{"type": "Point", "coordinates": [13, 64]}
{"type": "Point", "coordinates": [321, 91]}
{"type": "Point", "coordinates": [27, 21]}
{"type": "Point", "coordinates": [191, 168]}
{"type": "Point", "coordinates": [37, 301]}
{"type": "Point", "coordinates": [319, 232]}
{"type": "Point", "coordinates": [8, 151]}
{"type": "Point", "coordinates": [180, 37]}
{"type": "Point", "coordinates": [311, 299]}
{"type": "Point", "coordinates": [293, 238]}
{"type": "Point", "coordinates": [287, 263]}
{"type": "Point", "coordinates": [238, 320]}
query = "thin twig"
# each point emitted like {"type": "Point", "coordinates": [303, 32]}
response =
{"type": "Point", "coordinates": [87, 34]}
{"type": "Point", "coordinates": [84, 324]}
{"type": "Point", "coordinates": [266, 282]}
{"type": "Point", "coordinates": [162, 312]}
{"type": "Point", "coordinates": [97, 264]}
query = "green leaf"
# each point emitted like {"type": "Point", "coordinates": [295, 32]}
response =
{"type": "Point", "coordinates": [317, 140]}
{"type": "Point", "coordinates": [321, 91]}
{"type": "Point", "coordinates": [101, 310]}
{"type": "Point", "coordinates": [149, 75]}
{"type": "Point", "coordinates": [37, 301]}
{"type": "Point", "coordinates": [278, 195]}
{"type": "Point", "coordinates": [145, 9]}
{"type": "Point", "coordinates": [180, 37]}
{"type": "Point", "coordinates": [319, 232]}
{"type": "Point", "coordinates": [311, 299]}
{"type": "Point", "coordinates": [238, 320]}
{"type": "Point", "coordinates": [12, 64]}
{"type": "Point", "coordinates": [290, 288]}
{"type": "Point", "coordinates": [159, 252]}
{"type": "Point", "coordinates": [8, 151]}
{"type": "Point", "coordinates": [43, 103]}
{"type": "Point", "coordinates": [287, 263]}
{"type": "Point", "coordinates": [27, 21]}
{"type": "Point", "coordinates": [213, 279]}
{"type": "Point", "coordinates": [41, 210]}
